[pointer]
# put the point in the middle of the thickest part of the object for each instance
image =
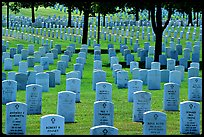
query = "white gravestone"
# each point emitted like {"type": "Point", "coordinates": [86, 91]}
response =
{"type": "Point", "coordinates": [143, 76]}
{"type": "Point", "coordinates": [42, 79]}
{"type": "Point", "coordinates": [171, 97]}
{"type": "Point", "coordinates": [52, 124]}
{"type": "Point", "coordinates": [154, 123]}
{"type": "Point", "coordinates": [98, 76]}
{"type": "Point", "coordinates": [74, 85]}
{"type": "Point", "coordinates": [16, 113]}
{"type": "Point", "coordinates": [66, 105]}
{"type": "Point", "coordinates": [155, 65]}
{"type": "Point", "coordinates": [103, 91]}
{"type": "Point", "coordinates": [8, 64]}
{"type": "Point", "coordinates": [153, 79]}
{"type": "Point", "coordinates": [133, 86]}
{"type": "Point", "coordinates": [175, 77]}
{"type": "Point", "coordinates": [103, 130]}
{"type": "Point", "coordinates": [141, 104]}
{"type": "Point", "coordinates": [133, 65]}
{"type": "Point", "coordinates": [135, 73]}
{"type": "Point", "coordinates": [122, 79]}
{"type": "Point", "coordinates": [57, 76]}
{"type": "Point", "coordinates": [34, 98]}
{"type": "Point", "coordinates": [190, 117]}
{"type": "Point", "coordinates": [73, 74]}
{"type": "Point", "coordinates": [23, 67]}
{"type": "Point", "coordinates": [193, 72]}
{"type": "Point", "coordinates": [181, 69]}
{"type": "Point", "coordinates": [171, 64]}
{"type": "Point", "coordinates": [195, 89]}
{"type": "Point", "coordinates": [103, 113]}
{"type": "Point", "coordinates": [9, 89]}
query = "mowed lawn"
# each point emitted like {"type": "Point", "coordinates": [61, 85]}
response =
{"type": "Point", "coordinates": [84, 110]}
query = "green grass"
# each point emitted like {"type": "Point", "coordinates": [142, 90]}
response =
{"type": "Point", "coordinates": [84, 110]}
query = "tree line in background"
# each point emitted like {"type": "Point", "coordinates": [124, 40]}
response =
{"type": "Point", "coordinates": [89, 8]}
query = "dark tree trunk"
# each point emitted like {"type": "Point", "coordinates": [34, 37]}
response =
{"type": "Point", "coordinates": [137, 14]}
{"type": "Point", "coordinates": [69, 16]}
{"type": "Point", "coordinates": [197, 18]}
{"type": "Point", "coordinates": [194, 15]}
{"type": "Point", "coordinates": [183, 15]}
{"type": "Point", "coordinates": [190, 21]}
{"type": "Point", "coordinates": [104, 19]}
{"type": "Point", "coordinates": [158, 43]}
{"type": "Point", "coordinates": [158, 29]}
{"type": "Point", "coordinates": [149, 15]}
{"type": "Point", "coordinates": [33, 12]}
{"type": "Point", "coordinates": [85, 29]}
{"type": "Point", "coordinates": [7, 3]}
{"type": "Point", "coordinates": [98, 27]}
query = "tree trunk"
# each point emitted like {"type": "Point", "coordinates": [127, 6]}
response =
{"type": "Point", "coordinates": [137, 14]}
{"type": "Point", "coordinates": [85, 29]}
{"type": "Point", "coordinates": [197, 18]}
{"type": "Point", "coordinates": [158, 43]}
{"type": "Point", "coordinates": [69, 16]}
{"type": "Point", "coordinates": [98, 27]}
{"type": "Point", "coordinates": [7, 3]}
{"type": "Point", "coordinates": [104, 19]}
{"type": "Point", "coordinates": [190, 21]}
{"type": "Point", "coordinates": [194, 15]}
{"type": "Point", "coordinates": [33, 12]}
{"type": "Point", "coordinates": [149, 15]}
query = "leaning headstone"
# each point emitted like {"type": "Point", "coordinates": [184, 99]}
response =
{"type": "Point", "coordinates": [74, 85]}
{"type": "Point", "coordinates": [73, 74]}
{"type": "Point", "coordinates": [103, 130]}
{"type": "Point", "coordinates": [98, 76]}
{"type": "Point", "coordinates": [103, 91]}
{"type": "Point", "coordinates": [51, 78]}
{"type": "Point", "coordinates": [21, 79]}
{"type": "Point", "coordinates": [8, 64]}
{"type": "Point", "coordinates": [31, 61]}
{"type": "Point", "coordinates": [133, 86]}
{"type": "Point", "coordinates": [193, 72]}
{"type": "Point", "coordinates": [52, 124]}
{"type": "Point", "coordinates": [171, 97]}
{"type": "Point", "coordinates": [42, 78]}
{"type": "Point", "coordinates": [9, 89]}
{"type": "Point", "coordinates": [175, 77]}
{"type": "Point", "coordinates": [153, 79]}
{"type": "Point", "coordinates": [23, 67]}
{"type": "Point", "coordinates": [143, 76]}
{"type": "Point", "coordinates": [189, 117]}
{"type": "Point", "coordinates": [154, 123]}
{"type": "Point", "coordinates": [38, 68]}
{"type": "Point", "coordinates": [31, 77]}
{"type": "Point", "coordinates": [44, 61]}
{"type": "Point", "coordinates": [11, 75]}
{"type": "Point", "coordinates": [122, 79]}
{"type": "Point", "coordinates": [195, 89]}
{"type": "Point", "coordinates": [61, 65]}
{"type": "Point", "coordinates": [34, 99]}
{"type": "Point", "coordinates": [66, 105]}
{"type": "Point", "coordinates": [103, 113]}
{"type": "Point", "coordinates": [16, 113]}
{"type": "Point", "coordinates": [57, 76]}
{"type": "Point", "coordinates": [17, 59]}
{"type": "Point", "coordinates": [171, 64]}
{"type": "Point", "coordinates": [141, 104]}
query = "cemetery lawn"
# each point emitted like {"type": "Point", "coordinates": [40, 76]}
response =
{"type": "Point", "coordinates": [84, 110]}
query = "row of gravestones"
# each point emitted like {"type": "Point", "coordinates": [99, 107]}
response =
{"type": "Point", "coordinates": [104, 33]}
{"type": "Point", "coordinates": [154, 121]}
{"type": "Point", "coordinates": [153, 77]}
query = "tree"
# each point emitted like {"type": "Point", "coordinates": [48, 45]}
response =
{"type": "Point", "coordinates": [70, 7]}
{"type": "Point", "coordinates": [7, 12]}
{"type": "Point", "coordinates": [86, 7]}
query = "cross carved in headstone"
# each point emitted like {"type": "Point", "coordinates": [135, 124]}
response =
{"type": "Point", "coordinates": [104, 105]}
{"type": "Point", "coordinates": [16, 106]}
{"type": "Point", "coordinates": [105, 131]}
{"type": "Point", "coordinates": [191, 106]}
{"type": "Point", "coordinates": [155, 116]}
{"type": "Point", "coordinates": [196, 80]}
{"type": "Point", "coordinates": [53, 120]}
